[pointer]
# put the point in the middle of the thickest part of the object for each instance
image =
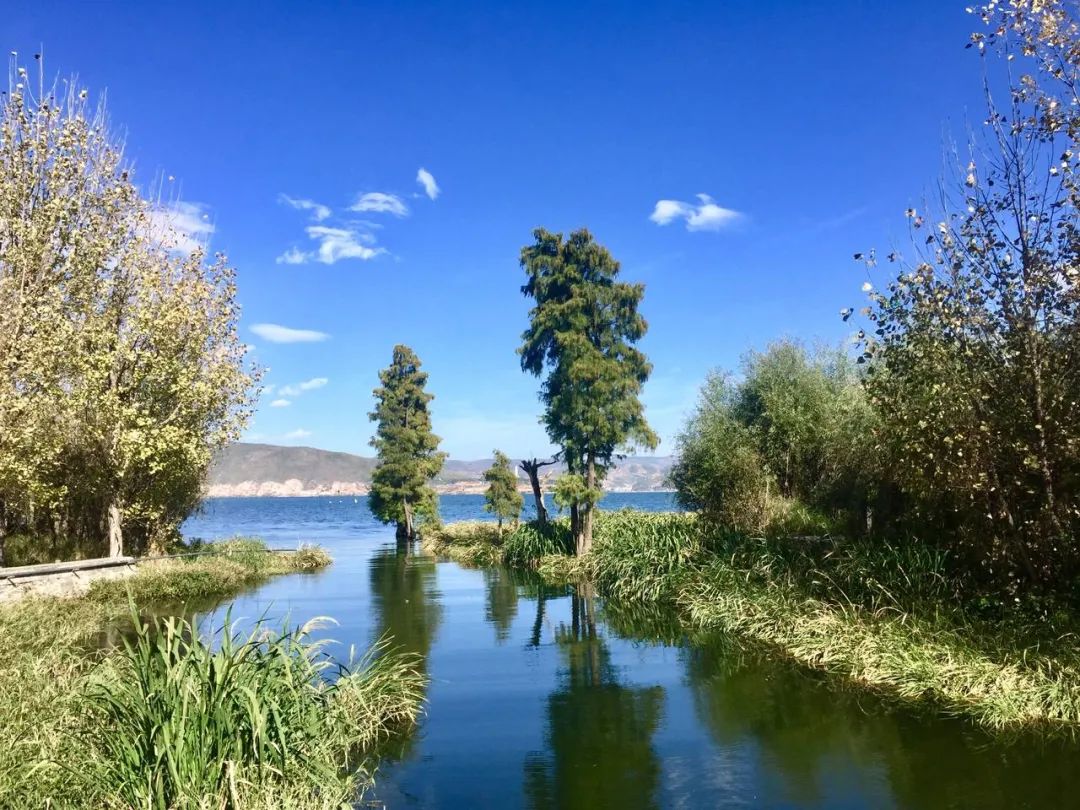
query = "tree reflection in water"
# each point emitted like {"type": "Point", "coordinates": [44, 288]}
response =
{"type": "Point", "coordinates": [599, 733]}
{"type": "Point", "coordinates": [815, 737]}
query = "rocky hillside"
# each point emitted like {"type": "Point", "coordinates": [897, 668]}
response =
{"type": "Point", "coordinates": [265, 469]}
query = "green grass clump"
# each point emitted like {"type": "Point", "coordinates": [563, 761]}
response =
{"type": "Point", "coordinates": [641, 556]}
{"type": "Point", "coordinates": [981, 672]}
{"type": "Point", "coordinates": [530, 541]}
{"type": "Point", "coordinates": [175, 721]}
{"type": "Point", "coordinates": [471, 543]}
{"type": "Point", "coordinates": [226, 568]}
{"type": "Point", "coordinates": [63, 659]}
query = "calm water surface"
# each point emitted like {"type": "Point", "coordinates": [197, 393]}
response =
{"type": "Point", "coordinates": [547, 698]}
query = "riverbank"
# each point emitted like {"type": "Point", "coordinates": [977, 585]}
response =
{"type": "Point", "coordinates": [882, 616]}
{"type": "Point", "coordinates": [71, 692]}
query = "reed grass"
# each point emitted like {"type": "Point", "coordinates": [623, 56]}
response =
{"type": "Point", "coordinates": [177, 721]}
{"type": "Point", "coordinates": [67, 684]}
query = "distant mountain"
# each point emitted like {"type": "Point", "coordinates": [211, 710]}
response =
{"type": "Point", "coordinates": [265, 469]}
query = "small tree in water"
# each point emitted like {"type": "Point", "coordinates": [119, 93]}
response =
{"type": "Point", "coordinates": [582, 331]}
{"type": "Point", "coordinates": [407, 450]}
{"type": "Point", "coordinates": [502, 498]}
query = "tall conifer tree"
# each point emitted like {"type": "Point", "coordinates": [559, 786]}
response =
{"type": "Point", "coordinates": [406, 448]}
{"type": "Point", "coordinates": [582, 331]}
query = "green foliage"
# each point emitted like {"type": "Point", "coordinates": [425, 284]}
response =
{"type": "Point", "coordinates": [55, 649]}
{"type": "Point", "coordinates": [572, 489]}
{"type": "Point", "coordinates": [582, 332]}
{"type": "Point", "coordinates": [121, 369]}
{"type": "Point", "coordinates": [176, 720]}
{"type": "Point", "coordinates": [405, 445]}
{"type": "Point", "coordinates": [795, 428]}
{"type": "Point", "coordinates": [639, 556]}
{"type": "Point", "coordinates": [974, 345]}
{"type": "Point", "coordinates": [531, 541]}
{"type": "Point", "coordinates": [223, 569]}
{"type": "Point", "coordinates": [502, 497]}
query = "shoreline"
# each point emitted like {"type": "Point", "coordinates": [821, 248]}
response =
{"type": "Point", "coordinates": [1006, 676]}
{"type": "Point", "coordinates": [294, 488]}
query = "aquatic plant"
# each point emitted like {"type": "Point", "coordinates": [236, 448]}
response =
{"type": "Point", "coordinates": [531, 541]}
{"type": "Point", "coordinates": [177, 721]}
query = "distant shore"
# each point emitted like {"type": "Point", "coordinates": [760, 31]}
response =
{"type": "Point", "coordinates": [295, 488]}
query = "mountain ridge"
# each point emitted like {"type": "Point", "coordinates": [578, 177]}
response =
{"type": "Point", "coordinates": [245, 469]}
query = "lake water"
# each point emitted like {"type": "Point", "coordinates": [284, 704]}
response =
{"type": "Point", "coordinates": [547, 698]}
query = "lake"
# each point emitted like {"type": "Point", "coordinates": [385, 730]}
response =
{"type": "Point", "coordinates": [546, 697]}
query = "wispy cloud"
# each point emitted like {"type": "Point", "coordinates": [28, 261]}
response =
{"type": "Point", "coordinates": [427, 180]}
{"type": "Point", "coordinates": [280, 403]}
{"type": "Point", "coordinates": [299, 388]}
{"type": "Point", "coordinates": [299, 433]}
{"type": "Point", "coordinates": [381, 203]}
{"type": "Point", "coordinates": [276, 333]}
{"type": "Point", "coordinates": [180, 227]}
{"type": "Point", "coordinates": [293, 256]}
{"type": "Point", "coordinates": [318, 211]}
{"type": "Point", "coordinates": [334, 245]}
{"type": "Point", "coordinates": [706, 215]}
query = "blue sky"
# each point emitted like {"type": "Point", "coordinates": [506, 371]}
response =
{"type": "Point", "coordinates": [809, 127]}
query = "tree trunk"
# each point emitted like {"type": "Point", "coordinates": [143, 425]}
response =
{"type": "Point", "coordinates": [584, 543]}
{"type": "Point", "coordinates": [410, 532]}
{"type": "Point", "coordinates": [532, 469]}
{"type": "Point", "coordinates": [116, 536]}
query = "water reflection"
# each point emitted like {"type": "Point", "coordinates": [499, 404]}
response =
{"type": "Point", "coordinates": [599, 732]}
{"type": "Point", "coordinates": [405, 599]}
{"type": "Point", "coordinates": [405, 605]}
{"type": "Point", "coordinates": [820, 745]}
{"type": "Point", "coordinates": [501, 590]}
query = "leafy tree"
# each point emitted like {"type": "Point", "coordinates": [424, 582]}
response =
{"type": "Point", "coordinates": [121, 371]}
{"type": "Point", "coordinates": [407, 450]}
{"type": "Point", "coordinates": [975, 343]}
{"type": "Point", "coordinates": [502, 498]}
{"type": "Point", "coordinates": [583, 328]}
{"type": "Point", "coordinates": [796, 427]}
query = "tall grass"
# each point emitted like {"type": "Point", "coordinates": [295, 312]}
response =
{"type": "Point", "coordinates": [642, 556]}
{"type": "Point", "coordinates": [225, 568]}
{"type": "Point", "coordinates": [175, 721]}
{"type": "Point", "coordinates": [66, 682]}
{"type": "Point", "coordinates": [531, 541]}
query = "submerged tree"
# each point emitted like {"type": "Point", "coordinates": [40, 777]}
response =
{"type": "Point", "coordinates": [407, 450]}
{"type": "Point", "coordinates": [975, 345]}
{"type": "Point", "coordinates": [582, 332]}
{"type": "Point", "coordinates": [502, 498]}
{"type": "Point", "coordinates": [121, 371]}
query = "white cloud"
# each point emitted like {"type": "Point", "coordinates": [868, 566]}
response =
{"type": "Point", "coordinates": [705, 216]}
{"type": "Point", "coordinates": [382, 203]}
{"type": "Point", "coordinates": [292, 256]}
{"type": "Point", "coordinates": [335, 244]}
{"type": "Point", "coordinates": [280, 403]}
{"type": "Point", "coordinates": [283, 334]}
{"type": "Point", "coordinates": [307, 385]}
{"type": "Point", "coordinates": [427, 180]}
{"type": "Point", "coordinates": [267, 390]}
{"type": "Point", "coordinates": [299, 433]}
{"type": "Point", "coordinates": [318, 211]}
{"type": "Point", "coordinates": [342, 243]}
{"type": "Point", "coordinates": [180, 227]}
